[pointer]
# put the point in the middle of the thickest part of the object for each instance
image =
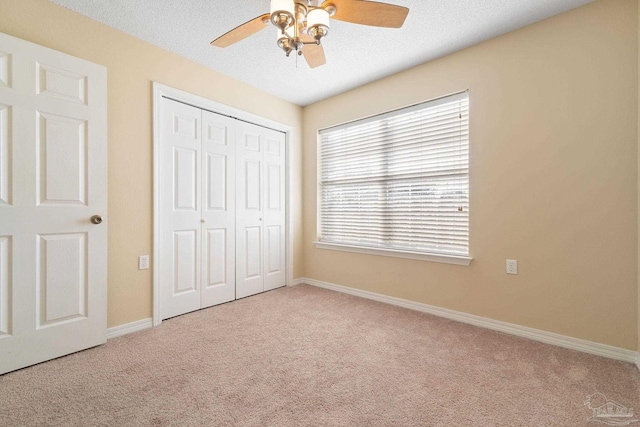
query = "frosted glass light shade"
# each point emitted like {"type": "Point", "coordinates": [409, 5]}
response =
{"type": "Point", "coordinates": [318, 23]}
{"type": "Point", "coordinates": [282, 13]}
{"type": "Point", "coordinates": [318, 17]}
{"type": "Point", "coordinates": [278, 6]}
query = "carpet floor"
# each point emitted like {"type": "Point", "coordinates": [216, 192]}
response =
{"type": "Point", "coordinates": [305, 356]}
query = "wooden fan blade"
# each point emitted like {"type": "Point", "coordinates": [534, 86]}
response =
{"type": "Point", "coordinates": [313, 53]}
{"type": "Point", "coordinates": [368, 12]}
{"type": "Point", "coordinates": [242, 31]}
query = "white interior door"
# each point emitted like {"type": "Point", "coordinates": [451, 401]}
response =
{"type": "Point", "coordinates": [260, 218]}
{"type": "Point", "coordinates": [218, 209]}
{"type": "Point", "coordinates": [180, 208]}
{"type": "Point", "coordinates": [53, 270]}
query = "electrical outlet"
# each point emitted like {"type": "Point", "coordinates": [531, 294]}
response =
{"type": "Point", "coordinates": [143, 262]}
{"type": "Point", "coordinates": [512, 266]}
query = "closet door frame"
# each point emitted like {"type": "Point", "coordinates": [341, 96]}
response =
{"type": "Point", "coordinates": [161, 91]}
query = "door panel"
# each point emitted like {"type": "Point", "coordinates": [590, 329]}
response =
{"type": "Point", "coordinates": [61, 84]}
{"type": "Point", "coordinates": [251, 138]}
{"type": "Point", "coordinates": [179, 204]}
{"type": "Point", "coordinates": [5, 151]}
{"type": "Point", "coordinates": [274, 211]}
{"type": "Point", "coordinates": [261, 210]}
{"type": "Point", "coordinates": [5, 286]}
{"type": "Point", "coordinates": [274, 180]}
{"type": "Point", "coordinates": [217, 129]}
{"type": "Point", "coordinates": [184, 178]}
{"type": "Point", "coordinates": [62, 282]}
{"type": "Point", "coordinates": [217, 182]}
{"type": "Point", "coordinates": [273, 249]}
{"type": "Point", "coordinates": [252, 187]}
{"type": "Point", "coordinates": [186, 125]}
{"type": "Point", "coordinates": [185, 259]}
{"type": "Point", "coordinates": [5, 69]}
{"type": "Point", "coordinates": [217, 273]}
{"type": "Point", "coordinates": [249, 219]}
{"type": "Point", "coordinates": [219, 209]}
{"type": "Point", "coordinates": [274, 146]}
{"type": "Point", "coordinates": [52, 258]}
{"type": "Point", "coordinates": [253, 257]}
{"type": "Point", "coordinates": [62, 156]}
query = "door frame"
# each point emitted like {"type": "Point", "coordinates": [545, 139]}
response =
{"type": "Point", "coordinates": [162, 91]}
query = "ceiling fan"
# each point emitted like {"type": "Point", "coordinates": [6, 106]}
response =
{"type": "Point", "coordinates": [303, 23]}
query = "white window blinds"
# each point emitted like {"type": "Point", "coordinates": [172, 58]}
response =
{"type": "Point", "coordinates": [399, 180]}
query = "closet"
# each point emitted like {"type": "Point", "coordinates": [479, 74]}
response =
{"type": "Point", "coordinates": [221, 208]}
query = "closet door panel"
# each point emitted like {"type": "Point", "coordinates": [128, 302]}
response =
{"type": "Point", "coordinates": [218, 209]}
{"type": "Point", "coordinates": [179, 204]}
{"type": "Point", "coordinates": [215, 254]}
{"type": "Point", "coordinates": [273, 244]}
{"type": "Point", "coordinates": [249, 215]}
{"type": "Point", "coordinates": [274, 209]}
{"type": "Point", "coordinates": [185, 262]}
{"type": "Point", "coordinates": [253, 252]}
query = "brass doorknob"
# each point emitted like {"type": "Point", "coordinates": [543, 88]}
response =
{"type": "Point", "coordinates": [96, 219]}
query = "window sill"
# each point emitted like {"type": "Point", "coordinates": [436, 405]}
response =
{"type": "Point", "coordinates": [421, 256]}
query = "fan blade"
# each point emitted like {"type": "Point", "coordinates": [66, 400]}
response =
{"type": "Point", "coordinates": [242, 31]}
{"type": "Point", "coordinates": [313, 53]}
{"type": "Point", "coordinates": [368, 12]}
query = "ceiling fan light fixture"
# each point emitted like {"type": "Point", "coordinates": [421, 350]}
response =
{"type": "Point", "coordinates": [302, 24]}
{"type": "Point", "coordinates": [282, 13]}
{"type": "Point", "coordinates": [285, 40]}
{"type": "Point", "coordinates": [318, 23]}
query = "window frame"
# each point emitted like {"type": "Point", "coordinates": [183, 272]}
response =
{"type": "Point", "coordinates": [456, 259]}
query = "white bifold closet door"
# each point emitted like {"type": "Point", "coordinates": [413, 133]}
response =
{"type": "Point", "coordinates": [218, 225]}
{"type": "Point", "coordinates": [260, 199]}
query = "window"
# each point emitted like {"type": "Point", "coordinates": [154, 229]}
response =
{"type": "Point", "coordinates": [398, 183]}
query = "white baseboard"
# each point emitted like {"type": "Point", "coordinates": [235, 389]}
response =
{"type": "Point", "coordinates": [128, 328]}
{"type": "Point", "coordinates": [298, 281]}
{"type": "Point", "coordinates": [496, 325]}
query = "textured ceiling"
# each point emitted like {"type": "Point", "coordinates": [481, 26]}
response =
{"type": "Point", "coordinates": [355, 54]}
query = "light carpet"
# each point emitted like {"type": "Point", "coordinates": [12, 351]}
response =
{"type": "Point", "coordinates": [305, 356]}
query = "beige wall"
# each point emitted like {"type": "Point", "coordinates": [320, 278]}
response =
{"type": "Point", "coordinates": [131, 66]}
{"type": "Point", "coordinates": [553, 126]}
{"type": "Point", "coordinates": [554, 166]}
